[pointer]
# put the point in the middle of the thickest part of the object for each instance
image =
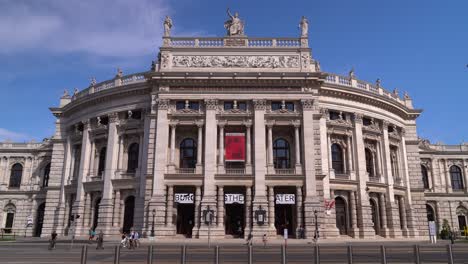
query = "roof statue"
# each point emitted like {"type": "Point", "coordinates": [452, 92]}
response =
{"type": "Point", "coordinates": [93, 81]}
{"type": "Point", "coordinates": [234, 26]}
{"type": "Point", "coordinates": [65, 94]}
{"type": "Point", "coordinates": [352, 75]}
{"type": "Point", "coordinates": [304, 26]}
{"type": "Point", "coordinates": [167, 26]}
{"type": "Point", "coordinates": [119, 73]}
{"type": "Point", "coordinates": [378, 82]}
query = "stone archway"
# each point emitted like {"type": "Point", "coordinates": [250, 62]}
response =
{"type": "Point", "coordinates": [39, 220]}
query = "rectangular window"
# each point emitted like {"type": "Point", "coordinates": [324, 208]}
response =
{"type": "Point", "coordinates": [334, 115]}
{"type": "Point", "coordinates": [242, 106]}
{"type": "Point", "coordinates": [180, 105]}
{"type": "Point", "coordinates": [275, 106]}
{"type": "Point", "coordinates": [228, 105]}
{"type": "Point", "coordinates": [289, 106]}
{"type": "Point", "coordinates": [194, 105]}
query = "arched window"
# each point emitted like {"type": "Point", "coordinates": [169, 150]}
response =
{"type": "Point", "coordinates": [45, 179]}
{"type": "Point", "coordinates": [425, 177]}
{"type": "Point", "coordinates": [102, 161]}
{"type": "Point", "coordinates": [337, 158]}
{"type": "Point", "coordinates": [132, 164]}
{"type": "Point", "coordinates": [188, 153]}
{"type": "Point", "coordinates": [456, 176]}
{"type": "Point", "coordinates": [369, 162]}
{"type": "Point", "coordinates": [393, 163]}
{"type": "Point", "coordinates": [16, 175]}
{"type": "Point", "coordinates": [430, 213]}
{"type": "Point", "coordinates": [281, 156]}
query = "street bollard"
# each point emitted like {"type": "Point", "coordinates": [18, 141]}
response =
{"type": "Point", "coordinates": [417, 256]}
{"type": "Point", "coordinates": [317, 254]}
{"type": "Point", "coordinates": [183, 254]}
{"type": "Point", "coordinates": [383, 254]}
{"type": "Point", "coordinates": [350, 254]}
{"type": "Point", "coordinates": [283, 254]}
{"type": "Point", "coordinates": [84, 254]}
{"type": "Point", "coordinates": [150, 254]}
{"type": "Point", "coordinates": [117, 255]}
{"type": "Point", "coordinates": [450, 253]}
{"type": "Point", "coordinates": [216, 254]}
{"type": "Point", "coordinates": [250, 255]}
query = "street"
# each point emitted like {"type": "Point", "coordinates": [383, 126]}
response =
{"type": "Point", "coordinates": [19, 253]}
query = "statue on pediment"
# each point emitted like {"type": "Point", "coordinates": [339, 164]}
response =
{"type": "Point", "coordinates": [167, 26]}
{"type": "Point", "coordinates": [304, 26]}
{"type": "Point", "coordinates": [234, 26]}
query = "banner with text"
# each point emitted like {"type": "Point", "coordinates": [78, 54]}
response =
{"type": "Point", "coordinates": [285, 198]}
{"type": "Point", "coordinates": [233, 198]}
{"type": "Point", "coordinates": [234, 147]}
{"type": "Point", "coordinates": [183, 198]}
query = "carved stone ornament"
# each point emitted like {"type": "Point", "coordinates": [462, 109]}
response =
{"type": "Point", "coordinates": [370, 146]}
{"type": "Point", "coordinates": [307, 104]}
{"type": "Point", "coordinates": [211, 104]}
{"type": "Point", "coordinates": [259, 104]}
{"type": "Point", "coordinates": [373, 126]}
{"type": "Point", "coordinates": [339, 141]}
{"type": "Point", "coordinates": [162, 104]}
{"type": "Point", "coordinates": [424, 143]}
{"type": "Point", "coordinates": [165, 60]}
{"type": "Point", "coordinates": [113, 117]}
{"type": "Point", "coordinates": [305, 60]}
{"type": "Point", "coordinates": [235, 61]}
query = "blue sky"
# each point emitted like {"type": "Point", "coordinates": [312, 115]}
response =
{"type": "Point", "coordinates": [415, 46]}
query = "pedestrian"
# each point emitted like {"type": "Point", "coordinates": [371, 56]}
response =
{"type": "Point", "coordinates": [264, 239]}
{"type": "Point", "coordinates": [53, 240]}
{"type": "Point", "coordinates": [249, 239]}
{"type": "Point", "coordinates": [100, 240]}
{"type": "Point", "coordinates": [91, 234]}
{"type": "Point", "coordinates": [452, 240]}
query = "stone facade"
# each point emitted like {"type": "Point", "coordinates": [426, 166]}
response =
{"type": "Point", "coordinates": [148, 151]}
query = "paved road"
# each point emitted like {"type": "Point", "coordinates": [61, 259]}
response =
{"type": "Point", "coordinates": [21, 253]}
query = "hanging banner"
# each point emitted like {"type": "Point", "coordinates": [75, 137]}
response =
{"type": "Point", "coordinates": [234, 144]}
{"type": "Point", "coordinates": [285, 198]}
{"type": "Point", "coordinates": [183, 198]}
{"type": "Point", "coordinates": [233, 198]}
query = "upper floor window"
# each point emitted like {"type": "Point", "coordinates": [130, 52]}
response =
{"type": "Point", "coordinates": [16, 175]}
{"type": "Point", "coordinates": [133, 114]}
{"type": "Point", "coordinates": [366, 121]}
{"type": "Point", "coordinates": [132, 164]}
{"type": "Point", "coordinates": [229, 105]}
{"type": "Point", "coordinates": [425, 177]}
{"type": "Point", "coordinates": [337, 158]}
{"type": "Point", "coordinates": [282, 106]}
{"type": "Point", "coordinates": [337, 115]}
{"type": "Point", "coordinates": [281, 155]}
{"type": "Point", "coordinates": [102, 161]}
{"type": "Point", "coordinates": [456, 177]}
{"type": "Point", "coordinates": [45, 179]}
{"type": "Point", "coordinates": [369, 162]}
{"type": "Point", "coordinates": [188, 153]}
{"type": "Point", "coordinates": [394, 164]}
{"type": "Point", "coordinates": [187, 105]}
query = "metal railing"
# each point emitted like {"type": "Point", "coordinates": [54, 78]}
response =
{"type": "Point", "coordinates": [315, 254]}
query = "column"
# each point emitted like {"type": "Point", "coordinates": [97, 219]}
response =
{"type": "Point", "coordinates": [271, 207]}
{"type": "Point", "coordinates": [404, 223]}
{"type": "Point", "coordinates": [78, 206]}
{"type": "Point", "coordinates": [383, 214]}
{"type": "Point", "coordinates": [172, 155]}
{"type": "Point", "coordinates": [92, 158]}
{"type": "Point", "coordinates": [329, 153]}
{"type": "Point", "coordinates": [199, 166]}
{"type": "Point", "coordinates": [349, 154]}
{"type": "Point", "coordinates": [6, 169]}
{"type": "Point", "coordinates": [170, 205]}
{"type": "Point", "coordinates": [448, 181]}
{"type": "Point", "coordinates": [120, 158]}
{"type": "Point", "coordinates": [379, 161]}
{"type": "Point", "coordinates": [364, 210]}
{"type": "Point", "coordinates": [465, 174]}
{"type": "Point", "coordinates": [353, 209]}
{"type": "Point", "coordinates": [298, 148]}
{"type": "Point", "coordinates": [221, 148]}
{"type": "Point", "coordinates": [117, 209]}
{"type": "Point", "coordinates": [270, 147]}
{"type": "Point", "coordinates": [248, 210]}
{"type": "Point", "coordinates": [197, 216]}
{"type": "Point", "coordinates": [299, 206]}
{"type": "Point", "coordinates": [106, 206]}
{"type": "Point", "coordinates": [221, 207]}
{"type": "Point", "coordinates": [87, 210]}
{"type": "Point", "coordinates": [248, 154]}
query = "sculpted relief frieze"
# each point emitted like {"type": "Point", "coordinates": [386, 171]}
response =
{"type": "Point", "coordinates": [236, 61]}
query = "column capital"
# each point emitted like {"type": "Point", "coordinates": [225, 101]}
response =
{"type": "Point", "coordinates": [211, 104]}
{"type": "Point", "coordinates": [86, 124]}
{"type": "Point", "coordinates": [307, 104]}
{"type": "Point", "coordinates": [247, 123]}
{"type": "Point", "coordinates": [358, 117]}
{"type": "Point", "coordinates": [325, 113]}
{"type": "Point", "coordinates": [199, 123]}
{"type": "Point", "coordinates": [162, 104]}
{"type": "Point", "coordinates": [222, 123]}
{"type": "Point", "coordinates": [385, 124]}
{"type": "Point", "coordinates": [259, 104]}
{"type": "Point", "coordinates": [270, 123]}
{"type": "Point", "coordinates": [113, 117]}
{"type": "Point", "coordinates": [296, 123]}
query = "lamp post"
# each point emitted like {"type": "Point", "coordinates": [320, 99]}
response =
{"type": "Point", "coordinates": [317, 234]}
{"type": "Point", "coordinates": [260, 215]}
{"type": "Point", "coordinates": [208, 216]}
{"type": "Point", "coordinates": [152, 224]}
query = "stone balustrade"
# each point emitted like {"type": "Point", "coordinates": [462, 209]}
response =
{"type": "Point", "coordinates": [182, 42]}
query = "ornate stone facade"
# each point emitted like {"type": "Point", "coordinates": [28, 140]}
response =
{"type": "Point", "coordinates": [154, 147]}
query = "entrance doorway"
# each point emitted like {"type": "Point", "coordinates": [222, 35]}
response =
{"type": "Point", "coordinates": [96, 213]}
{"type": "Point", "coordinates": [285, 210]}
{"type": "Point", "coordinates": [461, 222]}
{"type": "Point", "coordinates": [9, 222]}
{"type": "Point", "coordinates": [185, 219]}
{"type": "Point", "coordinates": [128, 214]}
{"type": "Point", "coordinates": [341, 219]}
{"type": "Point", "coordinates": [39, 220]}
{"type": "Point", "coordinates": [234, 221]}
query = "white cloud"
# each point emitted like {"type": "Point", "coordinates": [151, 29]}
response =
{"type": "Point", "coordinates": [13, 136]}
{"type": "Point", "coordinates": [120, 28]}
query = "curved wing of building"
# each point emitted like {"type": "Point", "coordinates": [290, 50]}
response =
{"type": "Point", "coordinates": [239, 136]}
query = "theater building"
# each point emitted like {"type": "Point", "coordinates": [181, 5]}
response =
{"type": "Point", "coordinates": [249, 131]}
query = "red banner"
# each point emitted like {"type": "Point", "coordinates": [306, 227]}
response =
{"type": "Point", "coordinates": [234, 147]}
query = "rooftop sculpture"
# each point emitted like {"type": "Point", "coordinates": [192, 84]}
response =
{"type": "Point", "coordinates": [234, 25]}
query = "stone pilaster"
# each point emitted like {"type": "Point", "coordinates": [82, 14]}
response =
{"type": "Point", "coordinates": [197, 216]}
{"type": "Point", "coordinates": [383, 215]}
{"type": "Point", "coordinates": [248, 210]}
{"type": "Point", "coordinates": [352, 202]}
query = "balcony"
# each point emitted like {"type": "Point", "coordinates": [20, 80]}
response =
{"type": "Point", "coordinates": [285, 171]}
{"type": "Point", "coordinates": [185, 170]}
{"type": "Point", "coordinates": [239, 171]}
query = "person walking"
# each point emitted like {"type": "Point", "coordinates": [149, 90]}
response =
{"type": "Point", "coordinates": [52, 240]}
{"type": "Point", "coordinates": [264, 239]}
{"type": "Point", "coordinates": [100, 240]}
{"type": "Point", "coordinates": [249, 239]}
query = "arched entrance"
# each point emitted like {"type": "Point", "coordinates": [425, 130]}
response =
{"type": "Point", "coordinates": [128, 214]}
{"type": "Point", "coordinates": [430, 213]}
{"type": "Point", "coordinates": [462, 213]}
{"type": "Point", "coordinates": [39, 220]}
{"type": "Point", "coordinates": [10, 210]}
{"type": "Point", "coordinates": [375, 216]}
{"type": "Point", "coordinates": [96, 213]}
{"type": "Point", "coordinates": [341, 219]}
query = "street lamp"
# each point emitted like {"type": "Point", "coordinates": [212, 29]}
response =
{"type": "Point", "coordinates": [317, 234]}
{"type": "Point", "coordinates": [208, 216]}
{"type": "Point", "coordinates": [152, 224]}
{"type": "Point", "coordinates": [260, 215]}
